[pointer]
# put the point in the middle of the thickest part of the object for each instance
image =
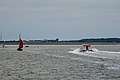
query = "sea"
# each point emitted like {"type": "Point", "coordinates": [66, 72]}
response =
{"type": "Point", "coordinates": [54, 62]}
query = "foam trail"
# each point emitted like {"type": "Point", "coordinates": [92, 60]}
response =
{"type": "Point", "coordinates": [95, 50]}
{"type": "Point", "coordinates": [97, 53]}
{"type": "Point", "coordinates": [75, 51]}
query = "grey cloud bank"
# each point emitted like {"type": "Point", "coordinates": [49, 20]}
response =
{"type": "Point", "coordinates": [64, 19]}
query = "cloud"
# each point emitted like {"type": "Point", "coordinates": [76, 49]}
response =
{"type": "Point", "coordinates": [60, 16]}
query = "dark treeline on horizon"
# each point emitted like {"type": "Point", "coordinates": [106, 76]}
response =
{"type": "Point", "coordinates": [81, 40]}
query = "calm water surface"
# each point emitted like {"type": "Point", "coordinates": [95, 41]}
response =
{"type": "Point", "coordinates": [55, 63]}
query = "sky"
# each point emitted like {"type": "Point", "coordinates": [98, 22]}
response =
{"type": "Point", "coordinates": [63, 19]}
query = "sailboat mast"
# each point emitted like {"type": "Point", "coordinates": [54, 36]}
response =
{"type": "Point", "coordinates": [1, 37]}
{"type": "Point", "coordinates": [19, 36]}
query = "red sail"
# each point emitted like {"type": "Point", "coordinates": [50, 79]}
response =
{"type": "Point", "coordinates": [21, 44]}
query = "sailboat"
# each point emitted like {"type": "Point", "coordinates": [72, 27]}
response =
{"type": "Point", "coordinates": [2, 42]}
{"type": "Point", "coordinates": [20, 44]}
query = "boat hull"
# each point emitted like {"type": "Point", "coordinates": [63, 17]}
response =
{"type": "Point", "coordinates": [19, 49]}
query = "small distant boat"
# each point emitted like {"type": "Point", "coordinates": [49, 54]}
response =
{"type": "Point", "coordinates": [2, 45]}
{"type": "Point", "coordinates": [26, 44]}
{"type": "Point", "coordinates": [86, 48]}
{"type": "Point", "coordinates": [20, 44]}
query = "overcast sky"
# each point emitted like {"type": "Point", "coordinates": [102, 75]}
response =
{"type": "Point", "coordinates": [63, 19]}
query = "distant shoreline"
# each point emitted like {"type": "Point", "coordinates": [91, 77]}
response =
{"type": "Point", "coordinates": [93, 41]}
{"type": "Point", "coordinates": [62, 43]}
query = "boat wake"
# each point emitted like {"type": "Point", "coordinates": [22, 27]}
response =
{"type": "Point", "coordinates": [78, 51]}
{"type": "Point", "coordinates": [97, 53]}
{"type": "Point", "coordinates": [108, 59]}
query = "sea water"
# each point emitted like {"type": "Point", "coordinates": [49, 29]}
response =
{"type": "Point", "coordinates": [56, 63]}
